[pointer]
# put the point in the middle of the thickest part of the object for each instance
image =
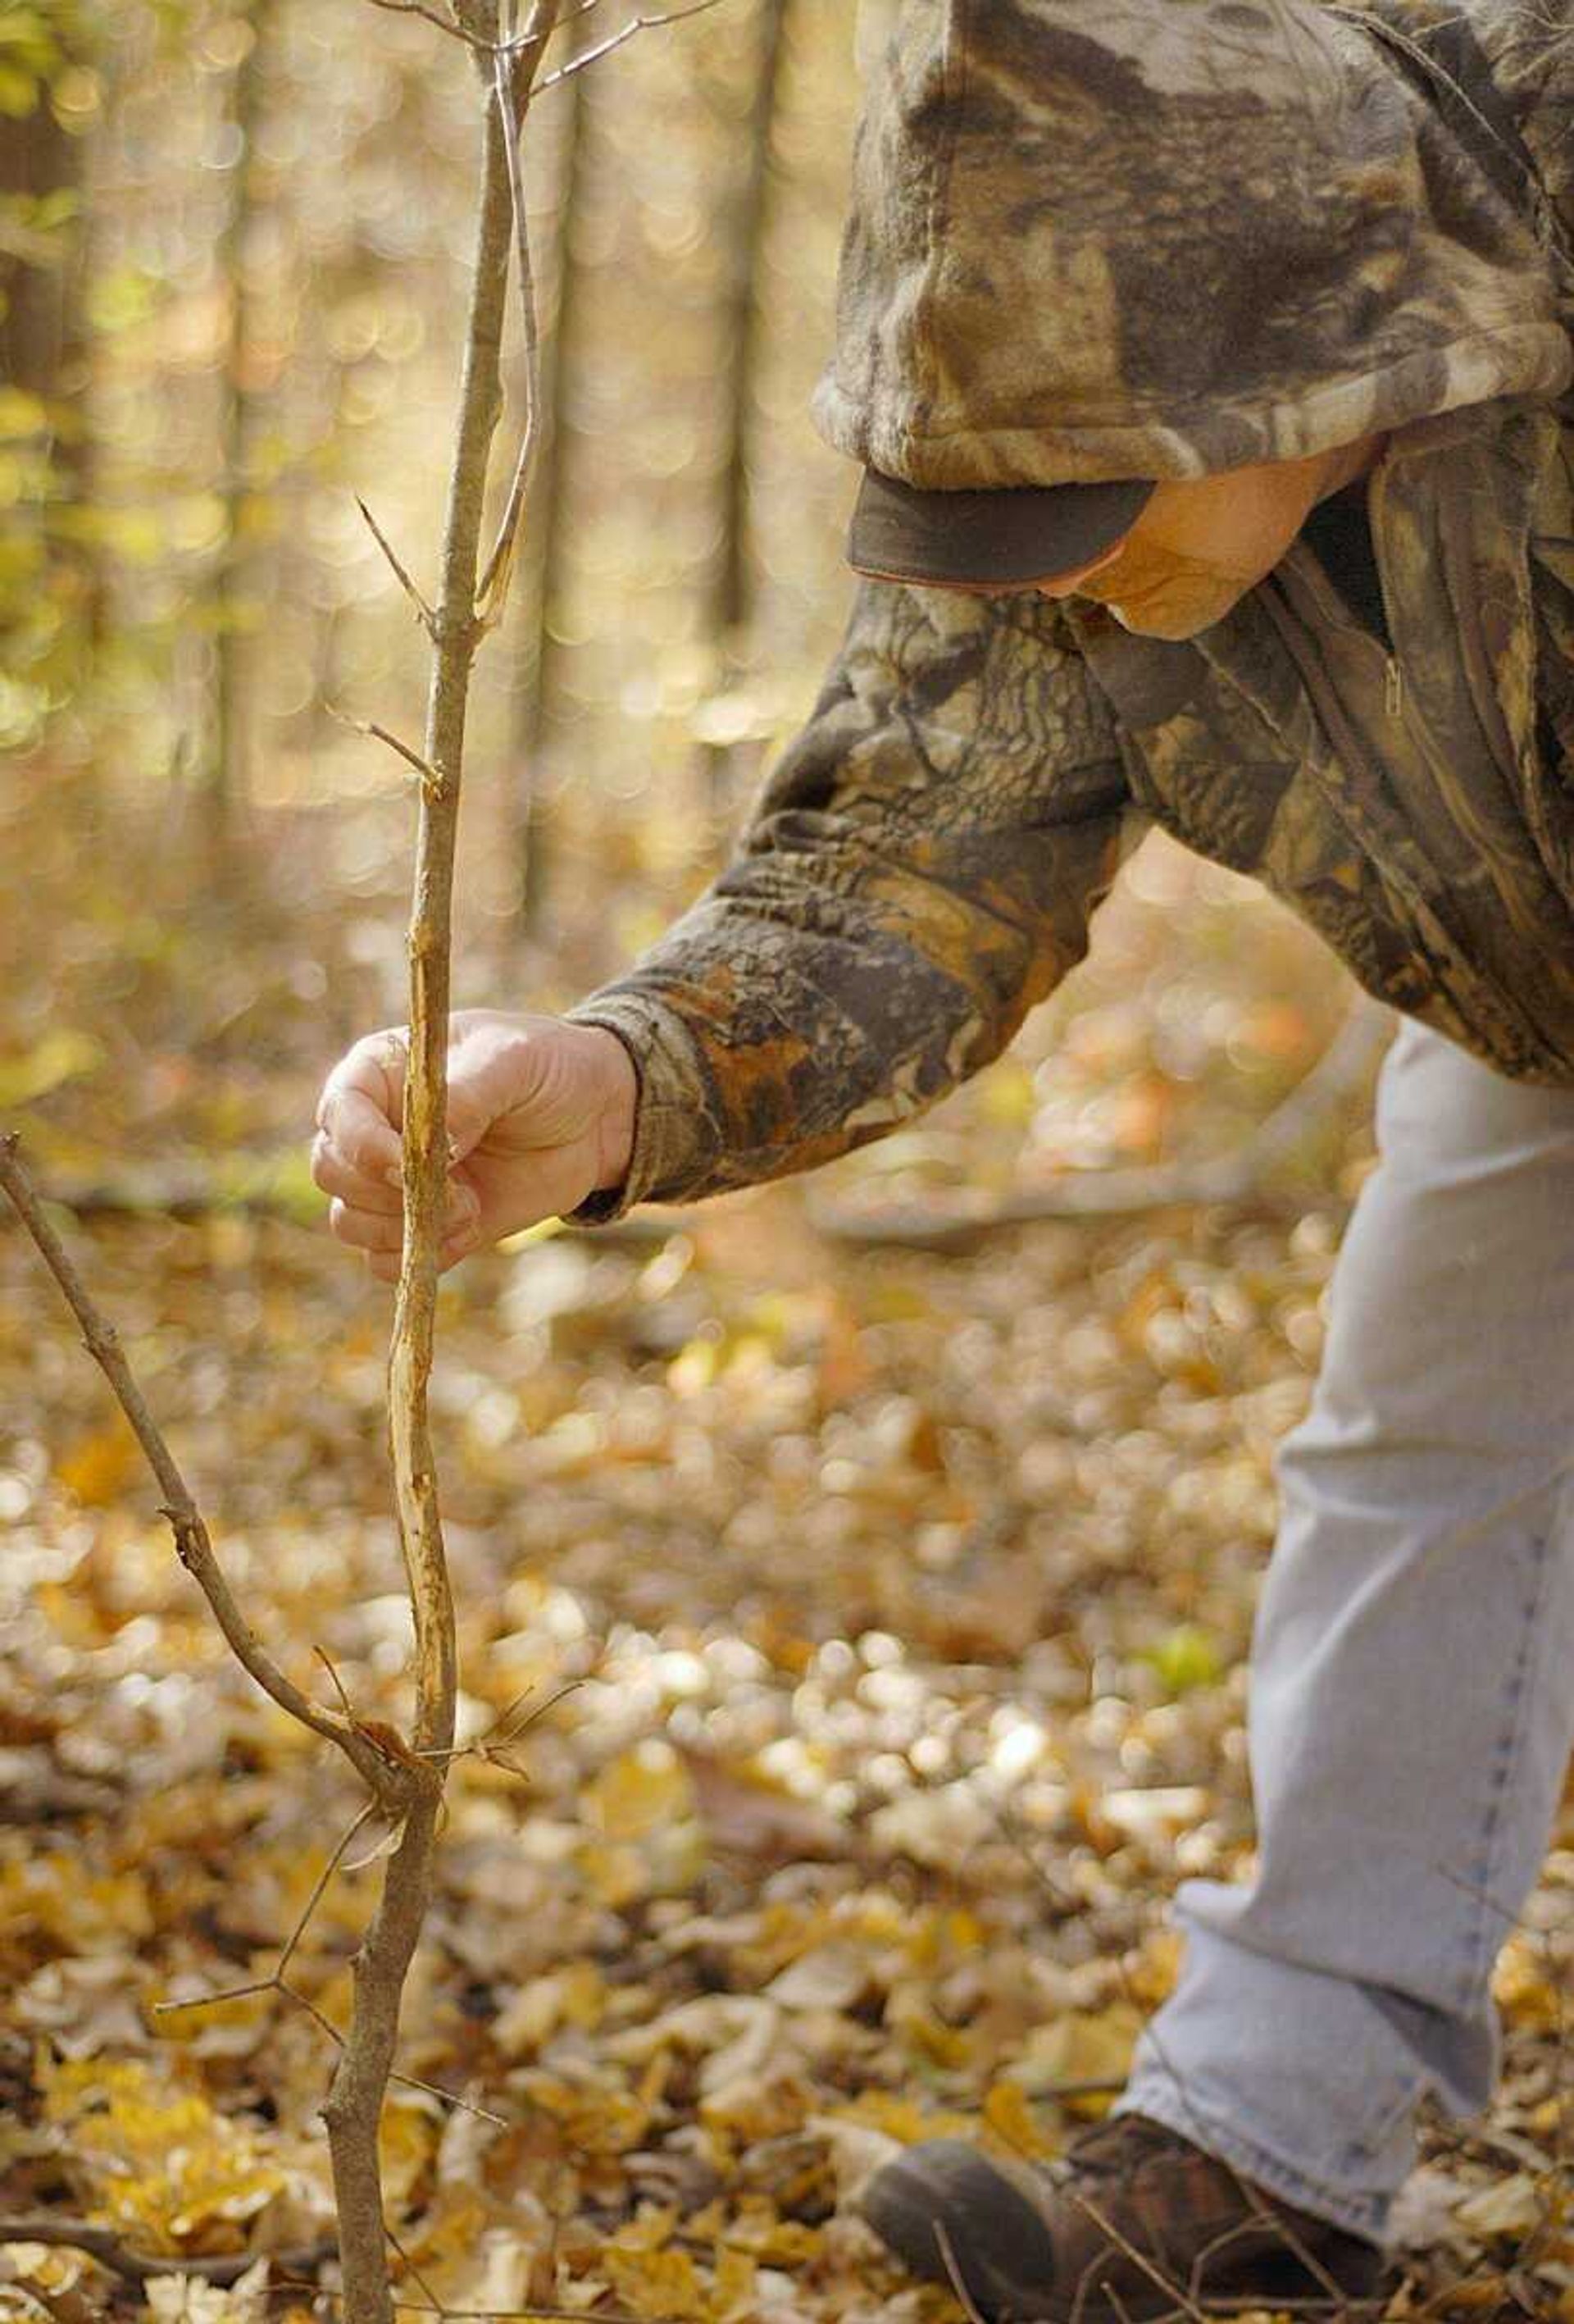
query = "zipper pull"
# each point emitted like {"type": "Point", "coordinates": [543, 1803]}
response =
{"type": "Point", "coordinates": [1392, 689]}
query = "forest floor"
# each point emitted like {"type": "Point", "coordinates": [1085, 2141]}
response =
{"type": "Point", "coordinates": [878, 1620]}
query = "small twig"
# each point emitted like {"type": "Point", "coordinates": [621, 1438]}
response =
{"type": "Point", "coordinates": [498, 2316]}
{"type": "Point", "coordinates": [224, 1993]}
{"type": "Point", "coordinates": [1463, 2288]}
{"type": "Point", "coordinates": [540, 2312]}
{"type": "Point", "coordinates": [237, 1993]}
{"type": "Point", "coordinates": [457, 32]}
{"type": "Point", "coordinates": [428, 619]}
{"type": "Point", "coordinates": [483, 1748]}
{"type": "Point", "coordinates": [948, 2261]}
{"type": "Point", "coordinates": [431, 17]}
{"type": "Point", "coordinates": [534, 38]}
{"type": "Point", "coordinates": [105, 2245]}
{"type": "Point", "coordinates": [328, 1663]}
{"type": "Point", "coordinates": [616, 41]}
{"type": "Point", "coordinates": [324, 1876]}
{"type": "Point", "coordinates": [277, 1983]}
{"type": "Point", "coordinates": [431, 781]}
{"type": "Point", "coordinates": [1061, 1899]}
{"type": "Point", "coordinates": [410, 2081]}
{"type": "Point", "coordinates": [513, 102]}
{"type": "Point", "coordinates": [1184, 2304]}
{"type": "Point", "coordinates": [534, 2315]}
{"type": "Point", "coordinates": [414, 2270]}
{"type": "Point", "coordinates": [192, 1544]}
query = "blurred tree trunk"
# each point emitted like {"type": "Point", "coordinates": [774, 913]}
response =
{"type": "Point", "coordinates": [731, 611]}
{"type": "Point", "coordinates": [234, 611]}
{"type": "Point", "coordinates": [45, 352]}
{"type": "Point", "coordinates": [40, 165]}
{"type": "Point", "coordinates": [562, 349]}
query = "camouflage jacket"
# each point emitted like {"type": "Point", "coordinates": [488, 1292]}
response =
{"type": "Point", "coordinates": [1255, 236]}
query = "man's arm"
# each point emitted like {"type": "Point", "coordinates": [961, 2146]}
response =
{"type": "Point", "coordinates": [919, 869]}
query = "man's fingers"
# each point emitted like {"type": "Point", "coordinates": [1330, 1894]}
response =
{"type": "Point", "coordinates": [335, 1177]}
{"type": "Point", "coordinates": [361, 1135]}
{"type": "Point", "coordinates": [362, 1106]}
{"type": "Point", "coordinates": [365, 1230]}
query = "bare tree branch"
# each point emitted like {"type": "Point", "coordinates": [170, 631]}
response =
{"type": "Point", "coordinates": [428, 619]}
{"type": "Point", "coordinates": [534, 38]}
{"type": "Point", "coordinates": [431, 781]}
{"type": "Point", "coordinates": [353, 2103]}
{"type": "Point", "coordinates": [192, 1544]}
{"type": "Point", "coordinates": [431, 17]}
{"type": "Point", "coordinates": [342, 2042]}
{"type": "Point", "coordinates": [105, 2245]}
{"type": "Point", "coordinates": [472, 40]}
{"type": "Point", "coordinates": [512, 92]}
{"type": "Point", "coordinates": [616, 41]}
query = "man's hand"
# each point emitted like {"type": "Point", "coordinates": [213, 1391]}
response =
{"type": "Point", "coordinates": [540, 1114]}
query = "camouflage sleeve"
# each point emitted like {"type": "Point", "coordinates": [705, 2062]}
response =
{"type": "Point", "coordinates": [917, 871]}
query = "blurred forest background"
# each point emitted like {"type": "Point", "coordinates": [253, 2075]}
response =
{"type": "Point", "coordinates": [903, 1562]}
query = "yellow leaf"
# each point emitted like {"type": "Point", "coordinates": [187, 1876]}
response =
{"type": "Point", "coordinates": [639, 1792]}
{"type": "Point", "coordinates": [615, 1876]}
{"type": "Point", "coordinates": [407, 2144]}
{"type": "Point", "coordinates": [925, 2033]}
{"type": "Point", "coordinates": [1010, 2117]}
{"type": "Point", "coordinates": [1151, 1978]}
{"type": "Point", "coordinates": [63, 1056]}
{"type": "Point", "coordinates": [21, 415]}
{"type": "Point", "coordinates": [757, 2228]}
{"type": "Point", "coordinates": [597, 2120]}
{"type": "Point", "coordinates": [649, 2230]}
{"type": "Point", "coordinates": [901, 2118]}
{"type": "Point", "coordinates": [161, 2166]}
{"type": "Point", "coordinates": [658, 2283]}
{"type": "Point", "coordinates": [97, 1467]}
{"type": "Point", "coordinates": [575, 1995]}
{"type": "Point", "coordinates": [1524, 1987]}
{"type": "Point", "coordinates": [757, 2107]}
{"type": "Point", "coordinates": [80, 1910]}
{"type": "Point", "coordinates": [1079, 2047]}
{"type": "Point", "coordinates": [733, 2296]}
{"type": "Point", "coordinates": [649, 1841]}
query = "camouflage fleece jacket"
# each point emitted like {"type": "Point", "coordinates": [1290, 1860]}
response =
{"type": "Point", "coordinates": [1160, 238]}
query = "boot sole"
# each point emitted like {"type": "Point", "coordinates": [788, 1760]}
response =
{"type": "Point", "coordinates": [904, 2202]}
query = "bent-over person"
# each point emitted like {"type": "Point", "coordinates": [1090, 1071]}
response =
{"type": "Point", "coordinates": [1208, 365]}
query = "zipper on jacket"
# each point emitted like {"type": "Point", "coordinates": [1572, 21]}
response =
{"type": "Point", "coordinates": [1334, 608]}
{"type": "Point", "coordinates": [1393, 676]}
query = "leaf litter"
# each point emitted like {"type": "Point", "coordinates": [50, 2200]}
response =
{"type": "Point", "coordinates": [906, 1600]}
{"type": "Point", "coordinates": [870, 1628]}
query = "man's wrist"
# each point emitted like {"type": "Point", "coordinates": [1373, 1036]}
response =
{"type": "Point", "coordinates": [616, 1124]}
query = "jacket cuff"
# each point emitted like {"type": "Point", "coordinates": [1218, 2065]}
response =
{"type": "Point", "coordinates": [675, 1142]}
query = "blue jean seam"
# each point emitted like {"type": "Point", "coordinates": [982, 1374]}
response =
{"type": "Point", "coordinates": [1398, 2096]}
{"type": "Point", "coordinates": [1481, 1947]}
{"type": "Point", "coordinates": [1383, 2120]}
